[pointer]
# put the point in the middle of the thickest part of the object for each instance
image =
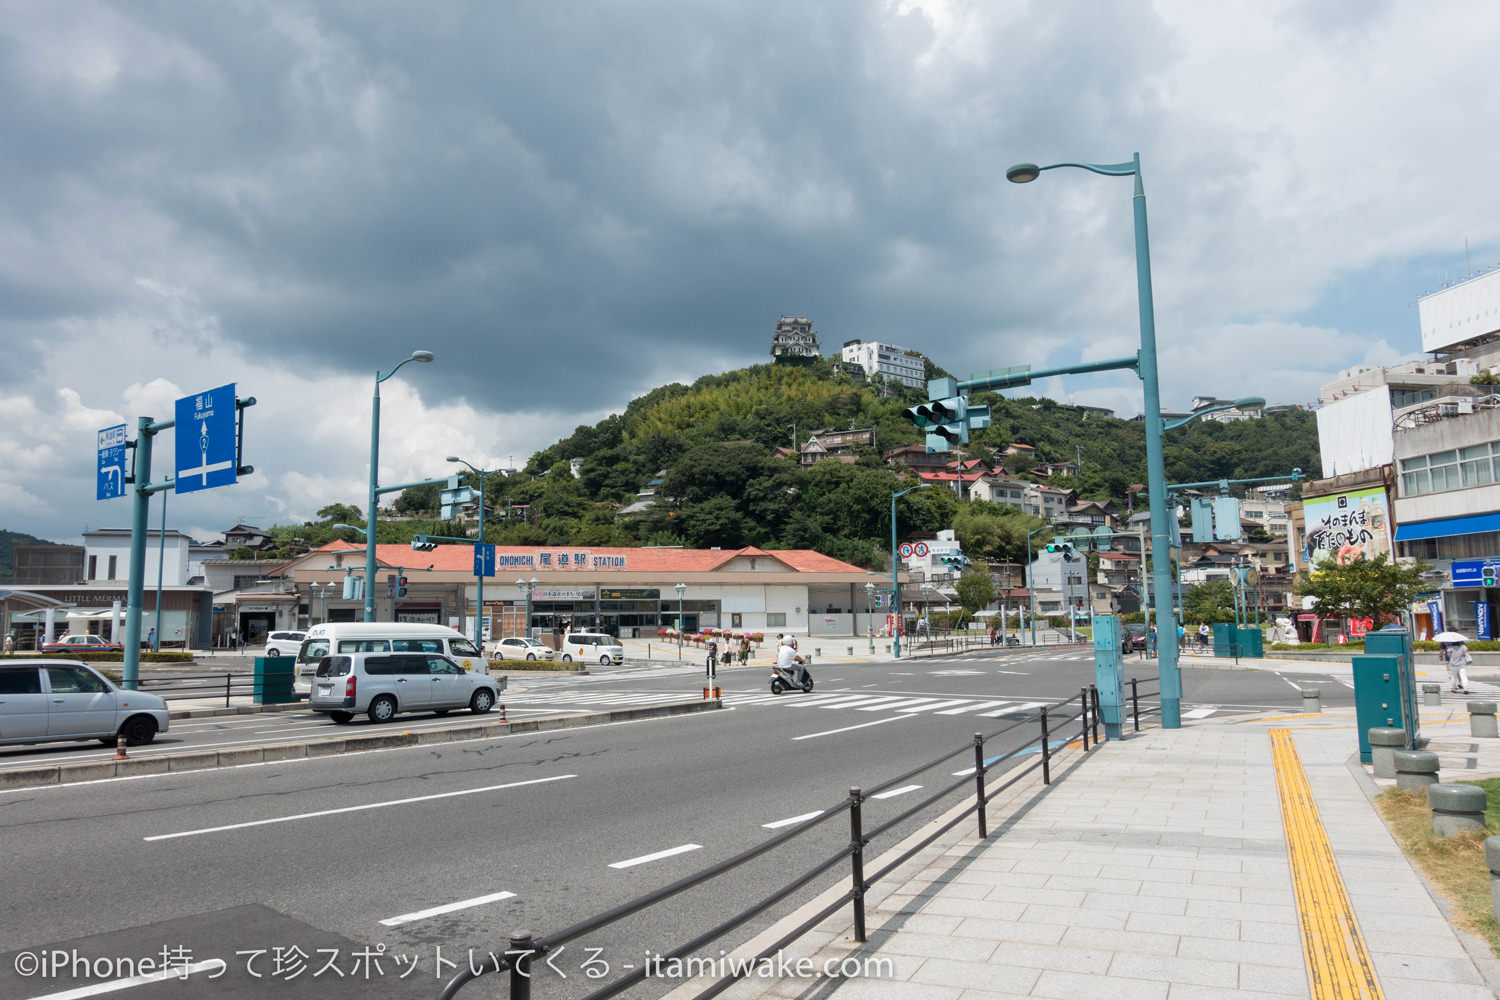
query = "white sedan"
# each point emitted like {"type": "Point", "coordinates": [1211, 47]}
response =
{"type": "Point", "coordinates": [520, 648]}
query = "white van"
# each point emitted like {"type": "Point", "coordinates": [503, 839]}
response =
{"type": "Point", "coordinates": [591, 647]}
{"type": "Point", "coordinates": [332, 638]}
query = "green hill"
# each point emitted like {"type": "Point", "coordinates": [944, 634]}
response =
{"type": "Point", "coordinates": [8, 542]}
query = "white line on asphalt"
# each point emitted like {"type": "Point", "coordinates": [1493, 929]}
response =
{"type": "Point", "coordinates": [849, 701]}
{"type": "Point", "coordinates": [680, 849]}
{"type": "Point", "coordinates": [863, 725]}
{"type": "Point", "coordinates": [180, 972]}
{"type": "Point", "coordinates": [1200, 713]}
{"type": "Point", "coordinates": [938, 705]}
{"type": "Point", "coordinates": [437, 911]}
{"type": "Point", "coordinates": [350, 809]}
{"type": "Point", "coordinates": [896, 791]}
{"type": "Point", "coordinates": [908, 705]}
{"type": "Point", "coordinates": [974, 708]}
{"type": "Point", "coordinates": [792, 820]}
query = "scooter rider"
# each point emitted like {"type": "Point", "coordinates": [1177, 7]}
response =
{"type": "Point", "coordinates": [785, 657]}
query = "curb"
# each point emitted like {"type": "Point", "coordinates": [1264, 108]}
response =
{"type": "Point", "coordinates": [200, 760]}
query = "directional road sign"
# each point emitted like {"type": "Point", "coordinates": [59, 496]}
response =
{"type": "Point", "coordinates": [205, 440]}
{"type": "Point", "coordinates": [111, 481]}
{"type": "Point", "coordinates": [484, 559]}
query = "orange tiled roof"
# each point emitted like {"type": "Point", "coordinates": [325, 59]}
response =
{"type": "Point", "coordinates": [460, 558]}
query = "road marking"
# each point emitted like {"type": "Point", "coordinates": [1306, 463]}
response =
{"type": "Point", "coordinates": [849, 701]}
{"type": "Point", "coordinates": [350, 809]}
{"type": "Point", "coordinates": [863, 725]}
{"type": "Point", "coordinates": [941, 704]}
{"type": "Point", "coordinates": [910, 704]}
{"type": "Point", "coordinates": [669, 852]}
{"type": "Point", "coordinates": [160, 975]}
{"type": "Point", "coordinates": [793, 820]}
{"type": "Point", "coordinates": [1338, 966]}
{"type": "Point", "coordinates": [974, 708]}
{"type": "Point", "coordinates": [436, 911]}
{"type": "Point", "coordinates": [1200, 713]}
{"type": "Point", "coordinates": [896, 791]}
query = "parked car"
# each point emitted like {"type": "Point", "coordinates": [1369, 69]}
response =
{"type": "Point", "coordinates": [1137, 633]}
{"type": "Point", "coordinates": [592, 646]}
{"type": "Point", "coordinates": [43, 701]}
{"type": "Point", "coordinates": [284, 643]}
{"type": "Point", "coordinates": [382, 684]}
{"type": "Point", "coordinates": [82, 643]}
{"type": "Point", "coordinates": [517, 647]}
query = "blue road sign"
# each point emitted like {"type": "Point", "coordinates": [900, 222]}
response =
{"type": "Point", "coordinates": [484, 559]}
{"type": "Point", "coordinates": [205, 440]}
{"type": "Point", "coordinates": [111, 482]}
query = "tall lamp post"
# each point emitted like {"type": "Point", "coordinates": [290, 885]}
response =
{"type": "Point", "coordinates": [320, 591]}
{"type": "Point", "coordinates": [896, 570]}
{"type": "Point", "coordinates": [681, 589]}
{"type": "Point", "coordinates": [478, 577]}
{"type": "Point", "coordinates": [526, 587]}
{"type": "Point", "coordinates": [423, 356]}
{"type": "Point", "coordinates": [870, 615]}
{"type": "Point", "coordinates": [1156, 475]}
{"type": "Point", "coordinates": [1030, 584]}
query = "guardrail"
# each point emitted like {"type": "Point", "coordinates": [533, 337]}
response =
{"type": "Point", "coordinates": [180, 687]}
{"type": "Point", "coordinates": [1081, 710]}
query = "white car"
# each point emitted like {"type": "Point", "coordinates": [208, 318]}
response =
{"type": "Point", "coordinates": [43, 701]}
{"type": "Point", "coordinates": [520, 648]}
{"type": "Point", "coordinates": [591, 647]}
{"type": "Point", "coordinates": [284, 643]}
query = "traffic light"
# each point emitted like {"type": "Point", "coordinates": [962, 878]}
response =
{"type": "Point", "coordinates": [401, 586]}
{"type": "Point", "coordinates": [1489, 574]}
{"type": "Point", "coordinates": [1061, 545]}
{"type": "Point", "coordinates": [454, 497]}
{"type": "Point", "coordinates": [423, 544]}
{"type": "Point", "coordinates": [946, 416]}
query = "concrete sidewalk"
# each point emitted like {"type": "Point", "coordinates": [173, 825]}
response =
{"type": "Point", "coordinates": [1175, 865]}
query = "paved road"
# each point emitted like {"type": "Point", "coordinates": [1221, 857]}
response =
{"type": "Point", "coordinates": [455, 846]}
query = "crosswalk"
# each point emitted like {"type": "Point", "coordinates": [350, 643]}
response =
{"type": "Point", "coordinates": [833, 700]}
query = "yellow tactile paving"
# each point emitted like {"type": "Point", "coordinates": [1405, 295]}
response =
{"type": "Point", "coordinates": [1338, 965]}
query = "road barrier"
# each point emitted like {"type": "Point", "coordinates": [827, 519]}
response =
{"type": "Point", "coordinates": [526, 952]}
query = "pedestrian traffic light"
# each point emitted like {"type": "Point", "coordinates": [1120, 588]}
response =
{"type": "Point", "coordinates": [401, 586]}
{"type": "Point", "coordinates": [1489, 574]}
{"type": "Point", "coordinates": [423, 544]}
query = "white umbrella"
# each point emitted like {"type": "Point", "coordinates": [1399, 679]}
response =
{"type": "Point", "coordinates": [1449, 637]}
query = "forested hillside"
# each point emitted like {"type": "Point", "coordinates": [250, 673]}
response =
{"type": "Point", "coordinates": [8, 542]}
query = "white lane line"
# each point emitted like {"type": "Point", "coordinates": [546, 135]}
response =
{"type": "Point", "coordinates": [941, 704]}
{"type": "Point", "coordinates": [436, 911]}
{"type": "Point", "coordinates": [160, 975]}
{"type": "Point", "coordinates": [1200, 713]}
{"type": "Point", "coordinates": [910, 704]}
{"type": "Point", "coordinates": [790, 821]}
{"type": "Point", "coordinates": [896, 791]}
{"type": "Point", "coordinates": [350, 809]}
{"type": "Point", "coordinates": [863, 725]}
{"type": "Point", "coordinates": [669, 852]}
{"type": "Point", "coordinates": [1024, 706]}
{"type": "Point", "coordinates": [848, 701]}
{"type": "Point", "coordinates": [975, 707]}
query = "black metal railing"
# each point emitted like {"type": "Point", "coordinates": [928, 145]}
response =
{"type": "Point", "coordinates": [201, 687]}
{"type": "Point", "coordinates": [949, 645]}
{"type": "Point", "coordinates": [1054, 733]}
{"type": "Point", "coordinates": [1139, 688]}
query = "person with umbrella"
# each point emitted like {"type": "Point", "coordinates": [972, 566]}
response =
{"type": "Point", "coordinates": [1456, 655]}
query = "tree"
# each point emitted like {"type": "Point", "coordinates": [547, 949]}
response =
{"type": "Point", "coordinates": [976, 590]}
{"type": "Point", "coordinates": [1365, 588]}
{"type": "Point", "coordinates": [1209, 602]}
{"type": "Point", "coordinates": [341, 513]}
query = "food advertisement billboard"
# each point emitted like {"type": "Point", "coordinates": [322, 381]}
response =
{"type": "Point", "coordinates": [1346, 527]}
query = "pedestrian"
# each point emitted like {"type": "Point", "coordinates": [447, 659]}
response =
{"type": "Point", "coordinates": [713, 658]}
{"type": "Point", "coordinates": [1181, 635]}
{"type": "Point", "coordinates": [744, 650]}
{"type": "Point", "coordinates": [151, 639]}
{"type": "Point", "coordinates": [1456, 655]}
{"type": "Point", "coordinates": [234, 639]}
{"type": "Point", "coordinates": [10, 643]}
{"type": "Point", "coordinates": [1203, 634]}
{"type": "Point", "coordinates": [1151, 643]}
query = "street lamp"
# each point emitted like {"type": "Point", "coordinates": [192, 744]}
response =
{"type": "Point", "coordinates": [895, 572]}
{"type": "Point", "coordinates": [870, 615]}
{"type": "Point", "coordinates": [681, 589]}
{"type": "Point", "coordinates": [320, 591]}
{"type": "Point", "coordinates": [478, 577]}
{"type": "Point", "coordinates": [1156, 475]}
{"type": "Point", "coordinates": [423, 356]}
{"type": "Point", "coordinates": [1030, 583]}
{"type": "Point", "coordinates": [526, 587]}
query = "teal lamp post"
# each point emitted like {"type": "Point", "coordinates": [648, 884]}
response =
{"type": "Point", "coordinates": [1030, 587]}
{"type": "Point", "coordinates": [895, 572]}
{"type": "Point", "coordinates": [380, 377]}
{"type": "Point", "coordinates": [1156, 475]}
{"type": "Point", "coordinates": [479, 579]}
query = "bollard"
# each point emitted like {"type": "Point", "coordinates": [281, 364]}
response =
{"type": "Point", "coordinates": [1311, 704]}
{"type": "Point", "coordinates": [1383, 746]}
{"type": "Point", "coordinates": [851, 650]}
{"type": "Point", "coordinates": [502, 713]}
{"type": "Point", "coordinates": [1432, 694]}
{"type": "Point", "coordinates": [1455, 808]}
{"type": "Point", "coordinates": [1416, 769]}
{"type": "Point", "coordinates": [120, 748]}
{"type": "Point", "coordinates": [1482, 719]}
{"type": "Point", "coordinates": [1492, 862]}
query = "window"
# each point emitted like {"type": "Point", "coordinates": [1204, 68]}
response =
{"type": "Point", "coordinates": [417, 645]}
{"type": "Point", "coordinates": [333, 666]}
{"type": "Point", "coordinates": [775, 619]}
{"type": "Point", "coordinates": [74, 680]}
{"type": "Point", "coordinates": [462, 647]}
{"type": "Point", "coordinates": [25, 680]}
{"type": "Point", "coordinates": [363, 646]}
{"type": "Point", "coordinates": [442, 665]}
{"type": "Point", "coordinates": [93, 567]}
{"type": "Point", "coordinates": [112, 561]}
{"type": "Point", "coordinates": [1414, 478]}
{"type": "Point", "coordinates": [1475, 466]}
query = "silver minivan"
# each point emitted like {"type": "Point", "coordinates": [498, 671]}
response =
{"type": "Point", "coordinates": [381, 684]}
{"type": "Point", "coordinates": [43, 701]}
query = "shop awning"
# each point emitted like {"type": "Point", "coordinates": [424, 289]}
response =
{"type": "Point", "coordinates": [1472, 524]}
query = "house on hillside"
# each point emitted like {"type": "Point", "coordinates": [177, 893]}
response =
{"type": "Point", "coordinates": [246, 536]}
{"type": "Point", "coordinates": [827, 443]}
{"type": "Point", "coordinates": [916, 458]}
{"type": "Point", "coordinates": [1045, 469]}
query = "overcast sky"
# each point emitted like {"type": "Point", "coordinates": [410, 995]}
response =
{"type": "Point", "coordinates": [573, 203]}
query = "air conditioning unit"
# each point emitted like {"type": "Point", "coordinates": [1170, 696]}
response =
{"type": "Point", "coordinates": [1466, 405]}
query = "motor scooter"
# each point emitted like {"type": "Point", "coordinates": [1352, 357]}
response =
{"type": "Point", "coordinates": [796, 678]}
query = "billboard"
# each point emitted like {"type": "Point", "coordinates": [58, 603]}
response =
{"type": "Point", "coordinates": [1354, 433]}
{"type": "Point", "coordinates": [1460, 313]}
{"type": "Point", "coordinates": [1346, 527]}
